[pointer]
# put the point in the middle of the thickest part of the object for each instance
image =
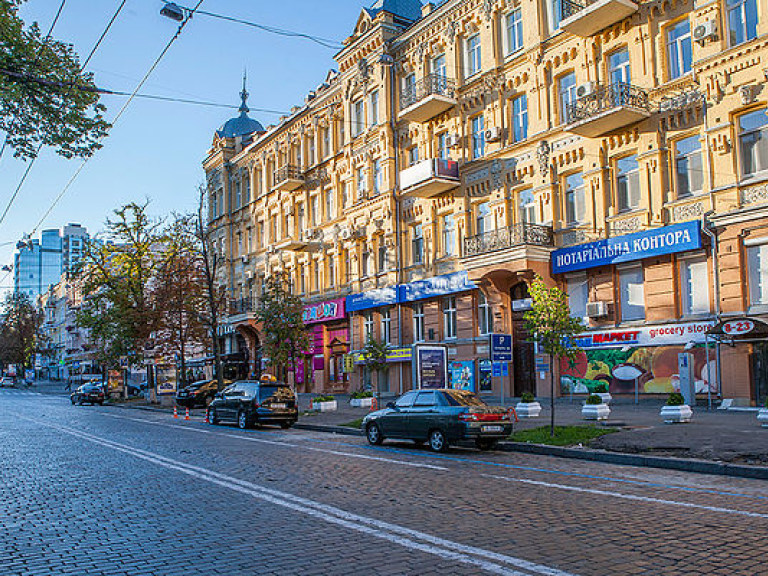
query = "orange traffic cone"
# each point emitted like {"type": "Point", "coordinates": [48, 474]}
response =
{"type": "Point", "coordinates": [186, 417]}
{"type": "Point", "coordinates": [175, 412]}
{"type": "Point", "coordinates": [205, 420]}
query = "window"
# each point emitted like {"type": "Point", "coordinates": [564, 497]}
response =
{"type": "Point", "coordinates": [694, 286]}
{"type": "Point", "coordinates": [628, 182]}
{"type": "Point", "coordinates": [362, 185]}
{"type": "Point", "coordinates": [316, 275]}
{"type": "Point", "coordinates": [327, 142]}
{"type": "Point", "coordinates": [247, 190]}
{"type": "Point", "coordinates": [484, 314]}
{"type": "Point", "coordinates": [332, 271]}
{"type": "Point", "coordinates": [368, 326]}
{"type": "Point", "coordinates": [742, 20]}
{"type": "Point", "coordinates": [575, 200]}
{"type": "Point", "coordinates": [344, 194]}
{"type": "Point", "coordinates": [330, 205]}
{"type": "Point", "coordinates": [409, 89]}
{"type": "Point", "coordinates": [425, 399]}
{"type": "Point", "coordinates": [348, 265]}
{"type": "Point", "coordinates": [365, 263]}
{"type": "Point", "coordinates": [679, 55]}
{"type": "Point", "coordinates": [386, 326]}
{"type": "Point", "coordinates": [417, 244]}
{"type": "Point", "coordinates": [442, 146]}
{"type": "Point", "coordinates": [373, 108]}
{"type": "Point", "coordinates": [311, 145]}
{"type": "Point", "coordinates": [566, 88]}
{"type": "Point", "coordinates": [514, 35]}
{"type": "Point", "coordinates": [556, 15]}
{"type": "Point", "coordinates": [757, 261]}
{"type": "Point", "coordinates": [300, 217]}
{"type": "Point", "coordinates": [753, 142]}
{"type": "Point", "coordinates": [383, 264]}
{"type": "Point", "coordinates": [413, 155]}
{"type": "Point", "coordinates": [478, 137]}
{"type": "Point", "coordinates": [298, 156]}
{"type": "Point", "coordinates": [618, 67]}
{"type": "Point", "coordinates": [577, 296]}
{"type": "Point", "coordinates": [520, 118]}
{"type": "Point", "coordinates": [378, 177]}
{"type": "Point", "coordinates": [418, 322]}
{"type": "Point", "coordinates": [358, 118]}
{"type": "Point", "coordinates": [302, 282]}
{"type": "Point", "coordinates": [315, 209]}
{"type": "Point", "coordinates": [449, 317]}
{"type": "Point", "coordinates": [631, 294]}
{"type": "Point", "coordinates": [527, 207]}
{"type": "Point", "coordinates": [473, 55]}
{"type": "Point", "coordinates": [449, 235]}
{"type": "Point", "coordinates": [689, 175]}
{"type": "Point", "coordinates": [406, 400]}
{"type": "Point", "coordinates": [238, 194]}
{"type": "Point", "coordinates": [484, 218]}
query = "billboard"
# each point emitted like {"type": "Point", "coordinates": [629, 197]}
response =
{"type": "Point", "coordinates": [463, 375]}
{"type": "Point", "coordinates": [430, 366]}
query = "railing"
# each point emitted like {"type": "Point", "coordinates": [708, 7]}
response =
{"type": "Point", "coordinates": [605, 98]}
{"type": "Point", "coordinates": [430, 84]}
{"type": "Point", "coordinates": [241, 306]}
{"type": "Point", "coordinates": [508, 237]}
{"type": "Point", "coordinates": [568, 8]}
{"type": "Point", "coordinates": [288, 172]}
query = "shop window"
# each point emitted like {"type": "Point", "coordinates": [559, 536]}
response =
{"type": "Point", "coordinates": [383, 380]}
{"type": "Point", "coordinates": [757, 262]}
{"type": "Point", "coordinates": [753, 142]}
{"type": "Point", "coordinates": [628, 183]}
{"type": "Point", "coordinates": [679, 54]}
{"type": "Point", "coordinates": [484, 314]}
{"type": "Point", "coordinates": [514, 31]}
{"type": "Point", "coordinates": [566, 89]}
{"type": "Point", "coordinates": [386, 326]}
{"type": "Point", "coordinates": [368, 326]}
{"type": "Point", "coordinates": [478, 137]}
{"type": "Point", "coordinates": [417, 244]}
{"type": "Point", "coordinates": [694, 286]}
{"type": "Point", "coordinates": [418, 322]}
{"type": "Point", "coordinates": [689, 173]}
{"type": "Point", "coordinates": [449, 235]}
{"type": "Point", "coordinates": [473, 55]}
{"type": "Point", "coordinates": [520, 118]}
{"type": "Point", "coordinates": [575, 199]}
{"type": "Point", "coordinates": [578, 294]}
{"type": "Point", "coordinates": [631, 294]}
{"type": "Point", "coordinates": [449, 317]}
{"type": "Point", "coordinates": [742, 20]}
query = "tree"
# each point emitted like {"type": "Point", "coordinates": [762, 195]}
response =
{"type": "Point", "coordinates": [45, 99]}
{"type": "Point", "coordinates": [280, 313]}
{"type": "Point", "coordinates": [552, 326]}
{"type": "Point", "coordinates": [19, 330]}
{"type": "Point", "coordinates": [375, 357]}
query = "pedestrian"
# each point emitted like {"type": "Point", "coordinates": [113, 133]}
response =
{"type": "Point", "coordinates": [68, 387]}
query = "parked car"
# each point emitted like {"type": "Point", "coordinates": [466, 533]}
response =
{"type": "Point", "coordinates": [92, 393]}
{"type": "Point", "coordinates": [440, 417]}
{"type": "Point", "coordinates": [199, 393]}
{"type": "Point", "coordinates": [250, 402]}
{"type": "Point", "coordinates": [6, 382]}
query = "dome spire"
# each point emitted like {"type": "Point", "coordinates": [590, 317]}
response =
{"type": "Point", "coordinates": [244, 96]}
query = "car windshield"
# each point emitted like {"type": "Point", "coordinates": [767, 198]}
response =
{"type": "Point", "coordinates": [462, 398]}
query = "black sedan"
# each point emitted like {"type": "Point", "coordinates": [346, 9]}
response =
{"type": "Point", "coordinates": [91, 393]}
{"type": "Point", "coordinates": [440, 417]}
{"type": "Point", "coordinates": [199, 393]}
{"type": "Point", "coordinates": [248, 402]}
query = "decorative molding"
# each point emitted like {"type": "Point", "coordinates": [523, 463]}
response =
{"type": "Point", "coordinates": [755, 194]}
{"type": "Point", "coordinates": [573, 237]}
{"type": "Point", "coordinates": [687, 212]}
{"type": "Point", "coordinates": [542, 155]}
{"type": "Point", "coordinates": [627, 225]}
{"type": "Point", "coordinates": [748, 93]}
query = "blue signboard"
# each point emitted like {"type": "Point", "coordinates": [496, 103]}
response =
{"type": "Point", "coordinates": [627, 248]}
{"type": "Point", "coordinates": [501, 347]}
{"type": "Point", "coordinates": [436, 286]}
{"type": "Point", "coordinates": [500, 369]}
{"type": "Point", "coordinates": [372, 299]}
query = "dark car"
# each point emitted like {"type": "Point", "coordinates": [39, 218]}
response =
{"type": "Point", "coordinates": [440, 417]}
{"type": "Point", "coordinates": [249, 402]}
{"type": "Point", "coordinates": [91, 393]}
{"type": "Point", "coordinates": [199, 393]}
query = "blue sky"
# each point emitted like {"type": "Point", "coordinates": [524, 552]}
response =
{"type": "Point", "coordinates": [156, 149]}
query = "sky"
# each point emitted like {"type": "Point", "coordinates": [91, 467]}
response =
{"type": "Point", "coordinates": [155, 150]}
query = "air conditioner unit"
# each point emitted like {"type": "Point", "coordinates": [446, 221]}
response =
{"type": "Point", "coordinates": [586, 89]}
{"type": "Point", "coordinates": [453, 140]}
{"type": "Point", "coordinates": [249, 274]}
{"type": "Point", "coordinates": [597, 309]}
{"type": "Point", "coordinates": [493, 134]}
{"type": "Point", "coordinates": [705, 30]}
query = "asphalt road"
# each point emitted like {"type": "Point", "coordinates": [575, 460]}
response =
{"type": "Point", "coordinates": [102, 490]}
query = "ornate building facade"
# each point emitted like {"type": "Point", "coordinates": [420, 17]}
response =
{"type": "Point", "coordinates": [618, 149]}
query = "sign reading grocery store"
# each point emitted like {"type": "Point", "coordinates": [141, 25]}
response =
{"type": "Point", "coordinates": [628, 248]}
{"type": "Point", "coordinates": [324, 311]}
{"type": "Point", "coordinates": [645, 335]}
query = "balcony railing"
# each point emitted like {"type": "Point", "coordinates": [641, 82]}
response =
{"type": "Point", "coordinates": [569, 8]}
{"type": "Point", "coordinates": [428, 97]}
{"type": "Point", "coordinates": [288, 177]}
{"type": "Point", "coordinates": [587, 17]}
{"type": "Point", "coordinates": [609, 107]}
{"type": "Point", "coordinates": [508, 237]}
{"type": "Point", "coordinates": [430, 177]}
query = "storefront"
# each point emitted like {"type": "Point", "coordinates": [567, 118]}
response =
{"type": "Point", "coordinates": [321, 367]}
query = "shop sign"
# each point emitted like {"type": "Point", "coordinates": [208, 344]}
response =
{"type": "Point", "coordinates": [665, 334]}
{"type": "Point", "coordinates": [436, 286]}
{"type": "Point", "coordinates": [372, 299]}
{"type": "Point", "coordinates": [324, 311]}
{"type": "Point", "coordinates": [349, 363]}
{"type": "Point", "coordinates": [393, 355]}
{"type": "Point", "coordinates": [628, 248]}
{"type": "Point", "coordinates": [738, 327]}
{"type": "Point", "coordinates": [430, 366]}
{"type": "Point", "coordinates": [501, 347]}
{"type": "Point", "coordinates": [463, 375]}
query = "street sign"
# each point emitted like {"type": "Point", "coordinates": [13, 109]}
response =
{"type": "Point", "coordinates": [500, 369]}
{"type": "Point", "coordinates": [501, 347]}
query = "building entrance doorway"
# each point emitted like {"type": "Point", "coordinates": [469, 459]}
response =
{"type": "Point", "coordinates": [759, 359]}
{"type": "Point", "coordinates": [523, 351]}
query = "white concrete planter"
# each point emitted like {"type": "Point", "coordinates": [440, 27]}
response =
{"type": "Point", "coordinates": [325, 406]}
{"type": "Point", "coordinates": [595, 411]}
{"type": "Point", "coordinates": [361, 402]}
{"type": "Point", "coordinates": [528, 409]}
{"type": "Point", "coordinates": [676, 414]}
{"type": "Point", "coordinates": [762, 417]}
{"type": "Point", "coordinates": [605, 397]}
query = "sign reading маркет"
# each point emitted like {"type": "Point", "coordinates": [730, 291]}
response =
{"type": "Point", "coordinates": [655, 242]}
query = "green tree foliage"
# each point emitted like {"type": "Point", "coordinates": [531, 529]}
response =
{"type": "Point", "coordinates": [19, 330]}
{"type": "Point", "coordinates": [552, 326]}
{"type": "Point", "coordinates": [280, 314]}
{"type": "Point", "coordinates": [44, 97]}
{"type": "Point", "coordinates": [375, 355]}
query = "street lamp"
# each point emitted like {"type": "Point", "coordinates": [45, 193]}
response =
{"type": "Point", "coordinates": [173, 11]}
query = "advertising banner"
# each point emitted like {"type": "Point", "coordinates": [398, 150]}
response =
{"type": "Point", "coordinates": [324, 311]}
{"type": "Point", "coordinates": [437, 286]}
{"type": "Point", "coordinates": [431, 366]}
{"type": "Point", "coordinates": [485, 376]}
{"type": "Point", "coordinates": [463, 375]}
{"type": "Point", "coordinates": [646, 335]}
{"type": "Point", "coordinates": [115, 380]}
{"type": "Point", "coordinates": [165, 380]}
{"type": "Point", "coordinates": [372, 299]}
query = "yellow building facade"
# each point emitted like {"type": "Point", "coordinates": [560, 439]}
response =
{"type": "Point", "coordinates": [619, 150]}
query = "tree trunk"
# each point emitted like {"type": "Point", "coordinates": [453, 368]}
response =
{"type": "Point", "coordinates": [183, 378]}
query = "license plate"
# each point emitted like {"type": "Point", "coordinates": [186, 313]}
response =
{"type": "Point", "coordinates": [492, 428]}
{"type": "Point", "coordinates": [278, 405]}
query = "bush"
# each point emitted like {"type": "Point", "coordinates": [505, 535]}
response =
{"type": "Point", "coordinates": [323, 399]}
{"type": "Point", "coordinates": [527, 398]}
{"type": "Point", "coordinates": [594, 399]}
{"type": "Point", "coordinates": [601, 388]}
{"type": "Point", "coordinates": [675, 399]}
{"type": "Point", "coordinates": [362, 394]}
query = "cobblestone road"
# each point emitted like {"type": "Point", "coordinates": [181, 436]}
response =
{"type": "Point", "coordinates": [100, 490]}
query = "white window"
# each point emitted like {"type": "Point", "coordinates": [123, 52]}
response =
{"type": "Point", "coordinates": [344, 194]}
{"type": "Point", "coordinates": [300, 217]}
{"type": "Point", "coordinates": [449, 317]}
{"type": "Point", "coordinates": [386, 326]}
{"type": "Point", "coordinates": [484, 218]}
{"type": "Point", "coordinates": [327, 142]}
{"type": "Point", "coordinates": [330, 205]}
{"type": "Point", "coordinates": [578, 294]}
{"type": "Point", "coordinates": [478, 137]}
{"type": "Point", "coordinates": [332, 271]}
{"type": "Point", "coordinates": [575, 199]}
{"type": "Point", "coordinates": [438, 66]}
{"type": "Point", "coordinates": [473, 64]}
{"type": "Point", "coordinates": [567, 92]}
{"type": "Point", "coordinates": [368, 326]}
{"type": "Point", "coordinates": [679, 54]}
{"type": "Point", "coordinates": [618, 67]}
{"type": "Point", "coordinates": [362, 184]}
{"type": "Point", "coordinates": [757, 261]}
{"type": "Point", "coordinates": [417, 244]}
{"type": "Point", "coordinates": [358, 118]}
{"type": "Point", "coordinates": [520, 118]}
{"type": "Point", "coordinates": [442, 146]}
{"type": "Point", "coordinates": [365, 263]}
{"type": "Point", "coordinates": [373, 108]}
{"type": "Point", "coordinates": [527, 207]}
{"type": "Point", "coordinates": [753, 142]}
{"type": "Point", "coordinates": [383, 264]}
{"type": "Point", "coordinates": [413, 155]}
{"type": "Point", "coordinates": [315, 210]}
{"type": "Point", "coordinates": [378, 177]}
{"type": "Point", "coordinates": [556, 15]}
{"type": "Point", "coordinates": [628, 182]}
{"type": "Point", "coordinates": [742, 20]}
{"type": "Point", "coordinates": [418, 322]}
{"type": "Point", "coordinates": [514, 36]}
{"type": "Point", "coordinates": [484, 314]}
{"type": "Point", "coordinates": [689, 173]}
{"type": "Point", "coordinates": [694, 286]}
{"type": "Point", "coordinates": [632, 294]}
{"type": "Point", "coordinates": [449, 235]}
{"type": "Point", "coordinates": [311, 145]}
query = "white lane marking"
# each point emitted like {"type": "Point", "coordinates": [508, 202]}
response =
{"type": "Point", "coordinates": [393, 533]}
{"type": "Point", "coordinates": [627, 496]}
{"type": "Point", "coordinates": [289, 444]}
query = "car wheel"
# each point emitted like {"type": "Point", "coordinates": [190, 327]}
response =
{"type": "Point", "coordinates": [242, 420]}
{"type": "Point", "coordinates": [72, 400]}
{"type": "Point", "coordinates": [485, 444]}
{"type": "Point", "coordinates": [212, 418]}
{"type": "Point", "coordinates": [437, 440]}
{"type": "Point", "coordinates": [373, 433]}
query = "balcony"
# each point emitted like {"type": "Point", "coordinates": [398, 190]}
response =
{"type": "Point", "coordinates": [292, 244]}
{"type": "Point", "coordinates": [430, 178]}
{"type": "Point", "coordinates": [240, 306]}
{"type": "Point", "coordinates": [508, 237]}
{"type": "Point", "coordinates": [585, 18]}
{"type": "Point", "coordinates": [425, 99]}
{"type": "Point", "coordinates": [607, 108]}
{"type": "Point", "coordinates": [288, 178]}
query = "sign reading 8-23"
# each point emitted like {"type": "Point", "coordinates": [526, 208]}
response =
{"type": "Point", "coordinates": [737, 327]}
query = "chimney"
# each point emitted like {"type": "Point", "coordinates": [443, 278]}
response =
{"type": "Point", "coordinates": [426, 9]}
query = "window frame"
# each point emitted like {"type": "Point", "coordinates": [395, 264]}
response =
{"type": "Point", "coordinates": [685, 278]}
{"type": "Point", "coordinates": [571, 198]}
{"type": "Point", "coordinates": [626, 315]}
{"type": "Point", "coordinates": [677, 157]}
{"type": "Point", "coordinates": [417, 312]}
{"type": "Point", "coordinates": [386, 325]}
{"type": "Point", "coordinates": [519, 118]}
{"type": "Point", "coordinates": [474, 55]}
{"type": "Point", "coordinates": [676, 49]}
{"type": "Point", "coordinates": [628, 176]}
{"type": "Point", "coordinates": [763, 130]}
{"type": "Point", "coordinates": [484, 315]}
{"type": "Point", "coordinates": [450, 318]}
{"type": "Point", "coordinates": [417, 241]}
{"type": "Point", "coordinates": [448, 234]}
{"type": "Point", "coordinates": [477, 124]}
{"type": "Point", "coordinates": [565, 95]}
